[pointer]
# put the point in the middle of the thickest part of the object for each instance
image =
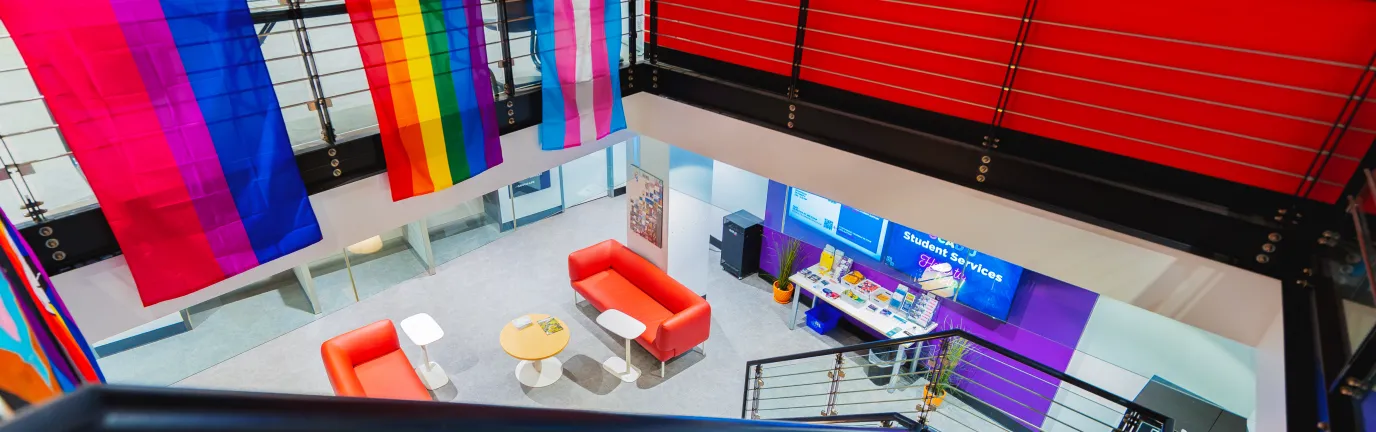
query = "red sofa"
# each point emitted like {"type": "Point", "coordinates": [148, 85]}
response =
{"type": "Point", "coordinates": [368, 362]}
{"type": "Point", "coordinates": [610, 276]}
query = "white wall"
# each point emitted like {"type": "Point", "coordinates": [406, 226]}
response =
{"type": "Point", "coordinates": [1270, 364]}
{"type": "Point", "coordinates": [103, 300]}
{"type": "Point", "coordinates": [1225, 300]}
{"type": "Point", "coordinates": [737, 189]}
{"type": "Point", "coordinates": [689, 172]}
{"type": "Point", "coordinates": [1137, 344]}
{"type": "Point", "coordinates": [619, 163]}
{"type": "Point", "coordinates": [585, 178]}
{"type": "Point", "coordinates": [464, 210]}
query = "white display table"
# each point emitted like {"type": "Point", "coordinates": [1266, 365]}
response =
{"type": "Point", "coordinates": [628, 328]}
{"type": "Point", "coordinates": [423, 330]}
{"type": "Point", "coordinates": [875, 320]}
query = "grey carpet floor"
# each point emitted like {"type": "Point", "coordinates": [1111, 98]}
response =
{"type": "Point", "coordinates": [472, 296]}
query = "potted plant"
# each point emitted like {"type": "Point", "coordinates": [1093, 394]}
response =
{"type": "Point", "coordinates": [788, 264]}
{"type": "Point", "coordinates": [953, 351]}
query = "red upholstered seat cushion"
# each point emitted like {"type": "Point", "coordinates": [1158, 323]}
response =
{"type": "Point", "coordinates": [611, 276]}
{"type": "Point", "coordinates": [607, 289]}
{"type": "Point", "coordinates": [391, 377]}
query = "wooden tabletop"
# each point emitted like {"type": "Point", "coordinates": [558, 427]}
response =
{"type": "Point", "coordinates": [531, 343]}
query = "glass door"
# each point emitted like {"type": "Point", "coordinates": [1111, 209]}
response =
{"type": "Point", "coordinates": [585, 178]}
{"type": "Point", "coordinates": [537, 197]}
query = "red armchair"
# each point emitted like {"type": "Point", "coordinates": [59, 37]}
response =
{"type": "Point", "coordinates": [610, 276]}
{"type": "Point", "coordinates": [368, 362]}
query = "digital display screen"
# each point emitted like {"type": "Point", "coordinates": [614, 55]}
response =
{"type": "Point", "coordinates": [980, 281]}
{"type": "Point", "coordinates": [859, 230]}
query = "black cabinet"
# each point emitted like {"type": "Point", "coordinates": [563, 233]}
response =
{"type": "Point", "coordinates": [741, 235]}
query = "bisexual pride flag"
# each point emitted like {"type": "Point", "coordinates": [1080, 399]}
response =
{"type": "Point", "coordinates": [426, 62]}
{"type": "Point", "coordinates": [169, 110]}
{"type": "Point", "coordinates": [580, 62]}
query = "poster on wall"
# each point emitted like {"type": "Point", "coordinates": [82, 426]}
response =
{"type": "Point", "coordinates": [947, 269]}
{"type": "Point", "coordinates": [645, 194]}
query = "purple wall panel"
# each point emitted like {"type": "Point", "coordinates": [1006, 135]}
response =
{"type": "Point", "coordinates": [1052, 309]}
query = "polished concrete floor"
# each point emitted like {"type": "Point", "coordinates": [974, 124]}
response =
{"type": "Point", "coordinates": [474, 295]}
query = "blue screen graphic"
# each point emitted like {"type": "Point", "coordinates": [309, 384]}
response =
{"type": "Point", "coordinates": [986, 284]}
{"type": "Point", "coordinates": [859, 230]}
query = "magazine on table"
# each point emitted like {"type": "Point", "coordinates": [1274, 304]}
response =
{"type": "Point", "coordinates": [551, 325]}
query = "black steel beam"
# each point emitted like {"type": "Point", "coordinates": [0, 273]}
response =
{"type": "Point", "coordinates": [1302, 370]}
{"type": "Point", "coordinates": [285, 14]}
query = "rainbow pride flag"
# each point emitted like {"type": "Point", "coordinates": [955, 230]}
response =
{"type": "Point", "coordinates": [41, 350]}
{"type": "Point", "coordinates": [580, 64]}
{"type": "Point", "coordinates": [426, 62]}
{"type": "Point", "coordinates": [168, 108]}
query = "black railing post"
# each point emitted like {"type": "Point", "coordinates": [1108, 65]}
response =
{"type": "Point", "coordinates": [799, 33]}
{"type": "Point", "coordinates": [836, 374]}
{"type": "Point", "coordinates": [755, 395]}
{"type": "Point", "coordinates": [509, 81]}
{"type": "Point", "coordinates": [1303, 365]}
{"type": "Point", "coordinates": [1314, 173]}
{"type": "Point", "coordinates": [652, 50]}
{"type": "Point", "coordinates": [631, 24]}
{"type": "Point", "coordinates": [933, 387]}
{"type": "Point", "coordinates": [991, 138]}
{"type": "Point", "coordinates": [319, 103]}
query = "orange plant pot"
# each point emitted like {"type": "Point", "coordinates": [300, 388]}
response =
{"type": "Point", "coordinates": [933, 400]}
{"type": "Point", "coordinates": [784, 295]}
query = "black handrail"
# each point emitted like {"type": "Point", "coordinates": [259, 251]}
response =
{"type": "Point", "coordinates": [128, 408]}
{"type": "Point", "coordinates": [905, 421]}
{"type": "Point", "coordinates": [1062, 376]}
{"type": "Point", "coordinates": [285, 14]}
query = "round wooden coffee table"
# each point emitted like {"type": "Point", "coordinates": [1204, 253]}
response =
{"type": "Point", "coordinates": [536, 350]}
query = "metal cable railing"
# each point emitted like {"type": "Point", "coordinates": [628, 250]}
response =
{"type": "Point", "coordinates": [1137, 35]}
{"type": "Point", "coordinates": [1024, 68]}
{"type": "Point", "coordinates": [306, 15]}
{"type": "Point", "coordinates": [1235, 157]}
{"type": "Point", "coordinates": [1030, 45]}
{"type": "Point", "coordinates": [936, 380]}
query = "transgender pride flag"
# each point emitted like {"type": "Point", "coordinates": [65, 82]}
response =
{"type": "Point", "coordinates": [168, 107]}
{"type": "Point", "coordinates": [580, 55]}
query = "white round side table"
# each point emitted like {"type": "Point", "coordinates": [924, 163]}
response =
{"type": "Point", "coordinates": [423, 330]}
{"type": "Point", "coordinates": [628, 328]}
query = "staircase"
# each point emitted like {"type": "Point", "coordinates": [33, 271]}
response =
{"type": "Point", "coordinates": [949, 381]}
